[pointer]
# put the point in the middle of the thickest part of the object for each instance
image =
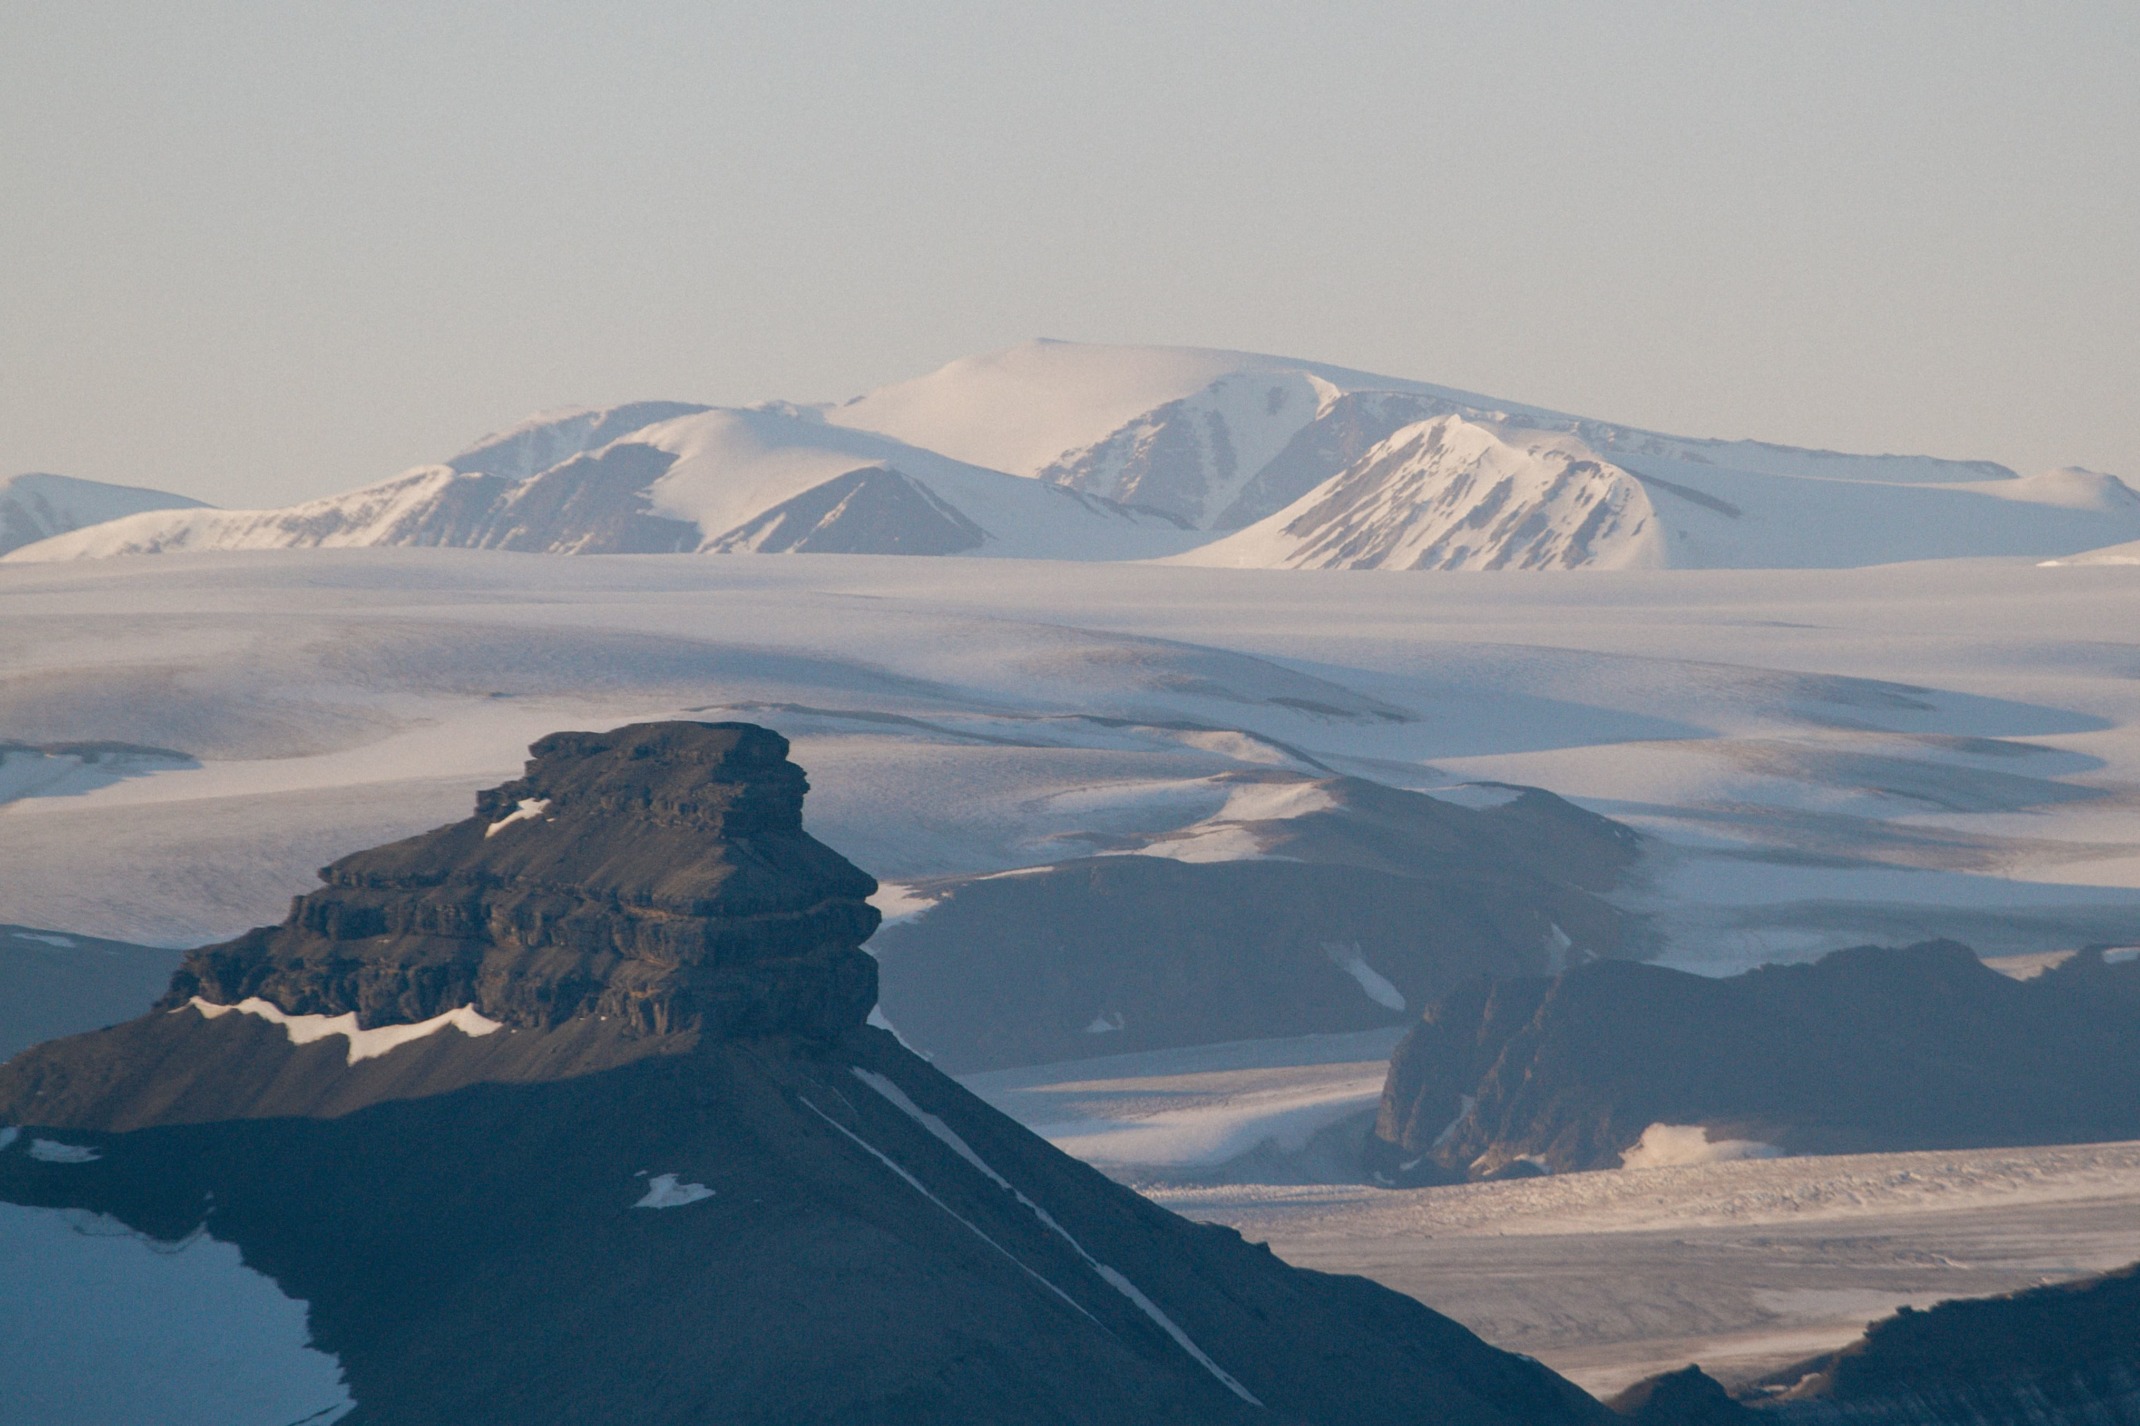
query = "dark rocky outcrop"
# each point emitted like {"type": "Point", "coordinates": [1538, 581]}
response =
{"type": "Point", "coordinates": [1873, 1049]}
{"type": "Point", "coordinates": [1113, 954]}
{"type": "Point", "coordinates": [2069, 1352]}
{"type": "Point", "coordinates": [2066, 1352]}
{"type": "Point", "coordinates": [670, 975]}
{"type": "Point", "coordinates": [1687, 1397]}
{"type": "Point", "coordinates": [659, 874]}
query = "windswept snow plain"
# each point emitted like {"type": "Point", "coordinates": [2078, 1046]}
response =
{"type": "Point", "coordinates": [1818, 758]}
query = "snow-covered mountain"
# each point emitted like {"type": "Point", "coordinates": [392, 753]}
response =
{"type": "Point", "coordinates": [1448, 493]}
{"type": "Point", "coordinates": [1071, 451]}
{"type": "Point", "coordinates": [1216, 438]}
{"type": "Point", "coordinates": [765, 480]}
{"type": "Point", "coordinates": [552, 437]}
{"type": "Point", "coordinates": [35, 507]}
{"type": "Point", "coordinates": [1458, 493]}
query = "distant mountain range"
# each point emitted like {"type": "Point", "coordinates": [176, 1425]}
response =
{"type": "Point", "coordinates": [1066, 451]}
{"type": "Point", "coordinates": [1876, 1049]}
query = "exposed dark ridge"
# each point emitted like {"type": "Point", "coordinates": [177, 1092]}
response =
{"type": "Point", "coordinates": [659, 874]}
{"type": "Point", "coordinates": [1871, 1049]}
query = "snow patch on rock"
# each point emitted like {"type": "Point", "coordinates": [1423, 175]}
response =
{"type": "Point", "coordinates": [529, 809]}
{"type": "Point", "coordinates": [1349, 959]}
{"type": "Point", "coordinates": [951, 1139]}
{"type": "Point", "coordinates": [363, 1044]}
{"type": "Point", "coordinates": [1677, 1145]}
{"type": "Point", "coordinates": [665, 1190]}
{"type": "Point", "coordinates": [52, 1151]}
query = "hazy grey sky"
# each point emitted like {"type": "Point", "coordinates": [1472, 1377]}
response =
{"type": "Point", "coordinates": [258, 251]}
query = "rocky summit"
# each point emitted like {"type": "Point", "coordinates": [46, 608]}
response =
{"type": "Point", "coordinates": [568, 1113]}
{"type": "Point", "coordinates": [659, 874]}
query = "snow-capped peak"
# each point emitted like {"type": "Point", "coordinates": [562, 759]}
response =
{"type": "Point", "coordinates": [37, 506]}
{"type": "Point", "coordinates": [1451, 493]}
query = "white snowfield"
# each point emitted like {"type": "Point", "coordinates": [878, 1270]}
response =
{"type": "Point", "coordinates": [1452, 493]}
{"type": "Point", "coordinates": [668, 1190]}
{"type": "Point", "coordinates": [1058, 450]}
{"type": "Point", "coordinates": [2128, 553]}
{"type": "Point", "coordinates": [363, 1044]}
{"type": "Point", "coordinates": [1818, 758]}
{"type": "Point", "coordinates": [1677, 1145]}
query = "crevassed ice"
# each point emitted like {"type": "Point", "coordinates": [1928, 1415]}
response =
{"type": "Point", "coordinates": [363, 1044]}
{"type": "Point", "coordinates": [958, 1145]}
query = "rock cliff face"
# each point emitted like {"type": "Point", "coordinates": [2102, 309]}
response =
{"type": "Point", "coordinates": [658, 874]}
{"type": "Point", "coordinates": [1867, 1050]}
{"type": "Point", "coordinates": [568, 1113]}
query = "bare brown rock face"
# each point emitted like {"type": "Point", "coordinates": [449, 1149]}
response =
{"type": "Point", "coordinates": [658, 874]}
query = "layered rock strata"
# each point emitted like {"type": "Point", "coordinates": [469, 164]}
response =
{"type": "Point", "coordinates": [658, 874]}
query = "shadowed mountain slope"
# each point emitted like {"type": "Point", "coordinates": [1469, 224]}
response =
{"type": "Point", "coordinates": [1304, 906]}
{"type": "Point", "coordinates": [566, 1112]}
{"type": "Point", "coordinates": [1866, 1050]}
{"type": "Point", "coordinates": [2069, 1352]}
